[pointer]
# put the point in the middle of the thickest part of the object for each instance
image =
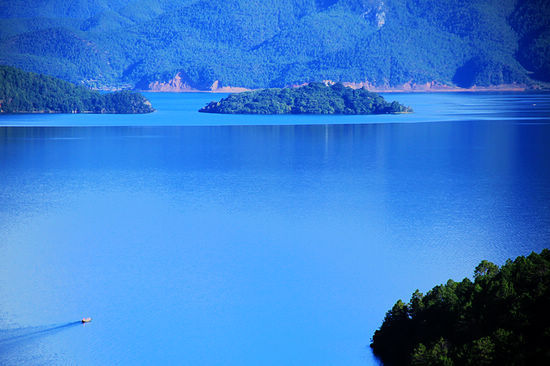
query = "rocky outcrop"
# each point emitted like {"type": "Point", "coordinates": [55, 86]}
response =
{"type": "Point", "coordinates": [180, 84]}
{"type": "Point", "coordinates": [375, 13]}
{"type": "Point", "coordinates": [432, 86]}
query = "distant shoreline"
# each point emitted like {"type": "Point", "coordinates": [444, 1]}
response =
{"type": "Point", "coordinates": [450, 90]}
{"type": "Point", "coordinates": [72, 112]}
{"type": "Point", "coordinates": [423, 88]}
{"type": "Point", "coordinates": [376, 90]}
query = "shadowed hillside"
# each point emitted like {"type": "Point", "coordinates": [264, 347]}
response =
{"type": "Point", "coordinates": [209, 44]}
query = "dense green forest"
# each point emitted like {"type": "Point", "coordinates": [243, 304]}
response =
{"type": "Point", "coordinates": [501, 318]}
{"type": "Point", "coordinates": [258, 44]}
{"type": "Point", "coordinates": [314, 98]}
{"type": "Point", "coordinates": [25, 92]}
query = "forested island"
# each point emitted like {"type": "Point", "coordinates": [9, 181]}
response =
{"type": "Point", "coordinates": [26, 92]}
{"type": "Point", "coordinates": [502, 318]}
{"type": "Point", "coordinates": [313, 98]}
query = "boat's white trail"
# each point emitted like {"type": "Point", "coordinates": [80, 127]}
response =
{"type": "Point", "coordinates": [8, 336]}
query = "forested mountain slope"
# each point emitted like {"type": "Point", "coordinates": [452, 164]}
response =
{"type": "Point", "coordinates": [253, 43]}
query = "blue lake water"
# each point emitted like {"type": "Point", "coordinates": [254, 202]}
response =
{"type": "Point", "coordinates": [205, 239]}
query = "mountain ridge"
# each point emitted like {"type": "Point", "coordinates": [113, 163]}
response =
{"type": "Point", "coordinates": [252, 45]}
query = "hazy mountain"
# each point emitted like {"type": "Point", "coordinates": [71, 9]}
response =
{"type": "Point", "coordinates": [252, 43]}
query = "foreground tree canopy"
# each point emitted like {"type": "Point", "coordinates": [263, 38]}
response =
{"type": "Point", "coordinates": [314, 98]}
{"type": "Point", "coordinates": [25, 92]}
{"type": "Point", "coordinates": [502, 318]}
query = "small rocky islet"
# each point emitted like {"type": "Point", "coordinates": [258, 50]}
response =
{"type": "Point", "coordinates": [313, 98]}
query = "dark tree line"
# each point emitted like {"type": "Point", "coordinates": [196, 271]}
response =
{"type": "Point", "coordinates": [501, 318]}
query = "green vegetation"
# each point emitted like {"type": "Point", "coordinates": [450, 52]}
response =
{"type": "Point", "coordinates": [502, 318]}
{"type": "Point", "coordinates": [24, 92]}
{"type": "Point", "coordinates": [259, 44]}
{"type": "Point", "coordinates": [531, 20]}
{"type": "Point", "coordinates": [314, 98]}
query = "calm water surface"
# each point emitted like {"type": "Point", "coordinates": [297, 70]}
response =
{"type": "Point", "coordinates": [250, 240]}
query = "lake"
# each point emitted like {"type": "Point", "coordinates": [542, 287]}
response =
{"type": "Point", "coordinates": [203, 239]}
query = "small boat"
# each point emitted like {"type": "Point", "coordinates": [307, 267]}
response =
{"type": "Point", "coordinates": [86, 320]}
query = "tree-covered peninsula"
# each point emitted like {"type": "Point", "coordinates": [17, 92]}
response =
{"type": "Point", "coordinates": [26, 92]}
{"type": "Point", "coordinates": [501, 318]}
{"type": "Point", "coordinates": [313, 98]}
